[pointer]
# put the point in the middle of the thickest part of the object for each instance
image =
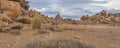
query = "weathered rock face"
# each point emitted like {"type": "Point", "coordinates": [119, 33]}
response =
{"type": "Point", "coordinates": [23, 3]}
{"type": "Point", "coordinates": [85, 17]}
{"type": "Point", "coordinates": [15, 26]}
{"type": "Point", "coordinates": [10, 8]}
{"type": "Point", "coordinates": [5, 29]}
{"type": "Point", "coordinates": [2, 24]}
{"type": "Point", "coordinates": [46, 19]}
{"type": "Point", "coordinates": [13, 8]}
{"type": "Point", "coordinates": [103, 13]}
{"type": "Point", "coordinates": [5, 18]}
{"type": "Point", "coordinates": [9, 11]}
{"type": "Point", "coordinates": [25, 20]}
{"type": "Point", "coordinates": [58, 19]}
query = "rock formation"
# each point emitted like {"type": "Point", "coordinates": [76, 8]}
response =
{"type": "Point", "coordinates": [9, 11]}
{"type": "Point", "coordinates": [10, 8]}
{"type": "Point", "coordinates": [102, 18]}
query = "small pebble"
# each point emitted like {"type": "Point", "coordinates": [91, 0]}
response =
{"type": "Point", "coordinates": [112, 45]}
{"type": "Point", "coordinates": [8, 45]}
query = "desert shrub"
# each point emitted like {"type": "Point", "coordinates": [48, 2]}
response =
{"type": "Point", "coordinates": [36, 21]}
{"type": "Point", "coordinates": [58, 43]}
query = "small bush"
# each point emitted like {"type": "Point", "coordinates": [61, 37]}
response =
{"type": "Point", "coordinates": [58, 43]}
{"type": "Point", "coordinates": [36, 21]}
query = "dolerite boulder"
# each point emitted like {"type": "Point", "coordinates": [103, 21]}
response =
{"type": "Point", "coordinates": [13, 8]}
{"type": "Point", "coordinates": [2, 24]}
{"type": "Point", "coordinates": [59, 18]}
{"type": "Point", "coordinates": [103, 13]}
{"type": "Point", "coordinates": [23, 3]}
{"type": "Point", "coordinates": [10, 8]}
{"type": "Point", "coordinates": [56, 26]}
{"type": "Point", "coordinates": [5, 18]}
{"type": "Point", "coordinates": [5, 29]}
{"type": "Point", "coordinates": [84, 17]}
{"type": "Point", "coordinates": [3, 0]}
{"type": "Point", "coordinates": [25, 20]}
{"type": "Point", "coordinates": [15, 25]}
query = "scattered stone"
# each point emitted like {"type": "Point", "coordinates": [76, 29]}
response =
{"type": "Point", "coordinates": [77, 37]}
{"type": "Point", "coordinates": [42, 31]}
{"type": "Point", "coordinates": [55, 28]}
{"type": "Point", "coordinates": [5, 29]}
{"type": "Point", "coordinates": [24, 20]}
{"type": "Point", "coordinates": [15, 26]}
{"type": "Point", "coordinates": [8, 45]}
{"type": "Point", "coordinates": [15, 32]}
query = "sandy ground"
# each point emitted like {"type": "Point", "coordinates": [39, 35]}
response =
{"type": "Point", "coordinates": [100, 36]}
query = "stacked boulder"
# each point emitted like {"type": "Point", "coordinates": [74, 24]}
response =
{"type": "Point", "coordinates": [10, 10]}
{"type": "Point", "coordinates": [56, 23]}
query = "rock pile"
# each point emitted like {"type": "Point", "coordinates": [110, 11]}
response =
{"type": "Point", "coordinates": [102, 18]}
{"type": "Point", "coordinates": [9, 11]}
{"type": "Point", "coordinates": [10, 8]}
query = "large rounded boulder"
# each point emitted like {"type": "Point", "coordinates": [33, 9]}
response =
{"type": "Point", "coordinates": [10, 8]}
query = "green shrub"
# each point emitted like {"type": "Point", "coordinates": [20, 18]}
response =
{"type": "Point", "coordinates": [58, 43]}
{"type": "Point", "coordinates": [36, 21]}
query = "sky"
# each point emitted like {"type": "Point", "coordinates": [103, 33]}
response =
{"type": "Point", "coordinates": [74, 8]}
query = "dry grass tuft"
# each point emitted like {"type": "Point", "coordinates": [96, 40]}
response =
{"type": "Point", "coordinates": [58, 43]}
{"type": "Point", "coordinates": [36, 21]}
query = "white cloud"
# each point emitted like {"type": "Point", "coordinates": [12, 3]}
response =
{"type": "Point", "coordinates": [56, 8]}
{"type": "Point", "coordinates": [112, 4]}
{"type": "Point", "coordinates": [72, 7]}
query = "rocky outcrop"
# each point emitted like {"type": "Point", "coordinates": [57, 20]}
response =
{"type": "Point", "coordinates": [23, 3]}
{"type": "Point", "coordinates": [2, 25]}
{"type": "Point", "coordinates": [13, 8]}
{"type": "Point", "coordinates": [10, 8]}
{"type": "Point", "coordinates": [25, 20]}
{"type": "Point", "coordinates": [102, 18]}
{"type": "Point", "coordinates": [15, 26]}
{"type": "Point", "coordinates": [5, 18]}
{"type": "Point", "coordinates": [9, 11]}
